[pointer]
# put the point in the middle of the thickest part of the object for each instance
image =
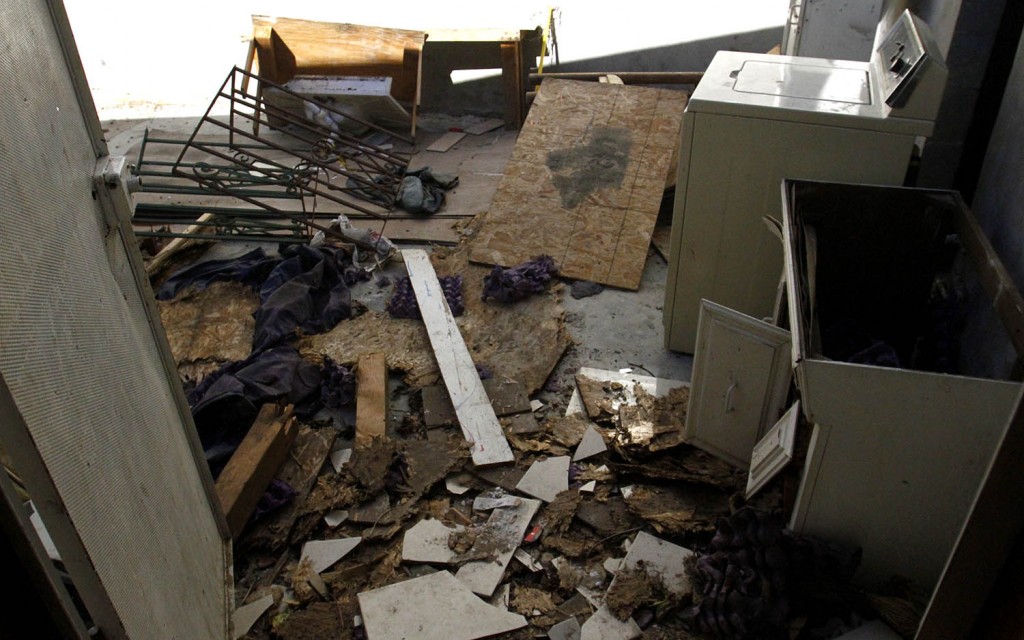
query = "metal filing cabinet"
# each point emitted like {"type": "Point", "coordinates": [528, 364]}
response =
{"type": "Point", "coordinates": [755, 119]}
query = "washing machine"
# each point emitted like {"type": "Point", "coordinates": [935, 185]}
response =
{"type": "Point", "coordinates": [755, 119]}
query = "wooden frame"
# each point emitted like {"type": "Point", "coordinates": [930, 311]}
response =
{"type": "Point", "coordinates": [774, 451]}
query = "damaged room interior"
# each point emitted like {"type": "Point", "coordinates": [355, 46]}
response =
{"type": "Point", "coordinates": [575, 321]}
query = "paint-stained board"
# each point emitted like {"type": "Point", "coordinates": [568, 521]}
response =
{"type": "Point", "coordinates": [585, 181]}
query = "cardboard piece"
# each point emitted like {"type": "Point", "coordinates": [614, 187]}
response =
{"type": "Point", "coordinates": [432, 607]}
{"type": "Point", "coordinates": [546, 478]}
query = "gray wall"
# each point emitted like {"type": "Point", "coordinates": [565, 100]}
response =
{"type": "Point", "coordinates": [999, 205]}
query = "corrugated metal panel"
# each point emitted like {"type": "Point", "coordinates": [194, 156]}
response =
{"type": "Point", "coordinates": [83, 364]}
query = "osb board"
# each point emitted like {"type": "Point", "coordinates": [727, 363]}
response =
{"type": "Point", "coordinates": [522, 341]}
{"type": "Point", "coordinates": [585, 181]}
{"type": "Point", "coordinates": [213, 325]}
{"type": "Point", "coordinates": [333, 49]}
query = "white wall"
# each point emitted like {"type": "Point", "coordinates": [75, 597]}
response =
{"type": "Point", "coordinates": [167, 58]}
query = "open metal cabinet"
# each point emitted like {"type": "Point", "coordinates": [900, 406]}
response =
{"type": "Point", "coordinates": [93, 421]}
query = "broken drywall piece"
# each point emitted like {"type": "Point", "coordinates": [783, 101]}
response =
{"type": "Point", "coordinates": [458, 485]}
{"type": "Point", "coordinates": [591, 445]}
{"type": "Point", "coordinates": [488, 503]}
{"type": "Point", "coordinates": [589, 487]}
{"type": "Point", "coordinates": [336, 517]}
{"type": "Point", "coordinates": [527, 560]}
{"type": "Point", "coordinates": [323, 554]}
{"type": "Point", "coordinates": [247, 615]}
{"type": "Point", "coordinates": [339, 458]}
{"type": "Point", "coordinates": [568, 629]}
{"type": "Point", "coordinates": [425, 607]}
{"type": "Point", "coordinates": [603, 625]}
{"type": "Point", "coordinates": [427, 541]}
{"type": "Point", "coordinates": [656, 557]}
{"type": "Point", "coordinates": [499, 537]}
{"type": "Point", "coordinates": [546, 478]}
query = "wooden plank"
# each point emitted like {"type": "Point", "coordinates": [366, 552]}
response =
{"type": "Point", "coordinates": [299, 471]}
{"type": "Point", "coordinates": [512, 76]}
{"type": "Point", "coordinates": [254, 463]}
{"type": "Point", "coordinates": [447, 141]}
{"type": "Point", "coordinates": [177, 244]}
{"type": "Point", "coordinates": [594, 218]}
{"type": "Point", "coordinates": [371, 398]}
{"type": "Point", "coordinates": [627, 77]}
{"type": "Point", "coordinates": [476, 417]}
{"type": "Point", "coordinates": [484, 126]}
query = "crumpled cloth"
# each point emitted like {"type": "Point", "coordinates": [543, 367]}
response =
{"type": "Point", "coordinates": [423, 191]}
{"type": "Point", "coordinates": [224, 405]}
{"type": "Point", "coordinates": [306, 293]}
{"type": "Point", "coordinates": [251, 269]}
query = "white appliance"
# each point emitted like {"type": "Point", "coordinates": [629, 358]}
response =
{"type": "Point", "coordinates": [756, 119]}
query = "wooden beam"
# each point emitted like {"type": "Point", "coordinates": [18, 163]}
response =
{"type": "Point", "coordinates": [176, 245]}
{"type": "Point", "coordinates": [254, 463]}
{"type": "Point", "coordinates": [627, 77]}
{"type": "Point", "coordinates": [472, 407]}
{"type": "Point", "coordinates": [371, 398]}
{"type": "Point", "coordinates": [511, 73]}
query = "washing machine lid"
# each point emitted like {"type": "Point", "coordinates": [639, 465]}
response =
{"type": "Point", "coordinates": [806, 90]}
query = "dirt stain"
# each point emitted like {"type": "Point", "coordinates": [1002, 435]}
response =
{"type": "Point", "coordinates": [599, 164]}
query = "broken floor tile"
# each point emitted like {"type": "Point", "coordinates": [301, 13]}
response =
{"type": "Point", "coordinates": [499, 538]}
{"type": "Point", "coordinates": [427, 541]}
{"type": "Point", "coordinates": [339, 458]}
{"type": "Point", "coordinates": [489, 503]}
{"type": "Point", "coordinates": [371, 512]}
{"type": "Point", "coordinates": [246, 616]}
{"type": "Point", "coordinates": [527, 560]}
{"type": "Point", "coordinates": [501, 597]}
{"type": "Point", "coordinates": [613, 565]}
{"type": "Point", "coordinates": [546, 478]}
{"type": "Point", "coordinates": [605, 626]}
{"type": "Point", "coordinates": [568, 629]}
{"type": "Point", "coordinates": [458, 484]}
{"type": "Point", "coordinates": [324, 553]}
{"type": "Point", "coordinates": [589, 487]}
{"type": "Point", "coordinates": [536, 405]}
{"type": "Point", "coordinates": [591, 445]}
{"type": "Point", "coordinates": [432, 607]}
{"type": "Point", "coordinates": [336, 517]}
{"type": "Point", "coordinates": [660, 558]}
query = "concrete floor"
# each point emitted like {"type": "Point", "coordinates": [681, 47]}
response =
{"type": "Point", "coordinates": [614, 330]}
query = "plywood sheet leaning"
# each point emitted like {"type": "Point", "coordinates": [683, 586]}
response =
{"type": "Point", "coordinates": [585, 181]}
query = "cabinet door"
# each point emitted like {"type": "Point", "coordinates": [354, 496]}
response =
{"type": "Point", "coordinates": [92, 415]}
{"type": "Point", "coordinates": [741, 377]}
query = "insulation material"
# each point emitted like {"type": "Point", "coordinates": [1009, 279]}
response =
{"type": "Point", "coordinates": [214, 325]}
{"type": "Point", "coordinates": [585, 181]}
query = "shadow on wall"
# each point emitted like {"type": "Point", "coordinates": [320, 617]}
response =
{"type": "Point", "coordinates": [485, 97]}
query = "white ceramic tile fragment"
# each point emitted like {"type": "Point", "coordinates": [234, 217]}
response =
{"type": "Point", "coordinates": [503, 530]}
{"type": "Point", "coordinates": [323, 554]}
{"type": "Point", "coordinates": [336, 517]}
{"type": "Point", "coordinates": [427, 541]}
{"type": "Point", "coordinates": [603, 625]}
{"type": "Point", "coordinates": [423, 608]}
{"type": "Point", "coordinates": [568, 629]}
{"type": "Point", "coordinates": [340, 458]}
{"type": "Point", "coordinates": [546, 478]}
{"type": "Point", "coordinates": [247, 615]}
{"type": "Point", "coordinates": [591, 445]}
